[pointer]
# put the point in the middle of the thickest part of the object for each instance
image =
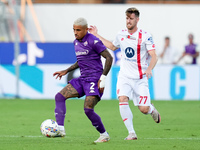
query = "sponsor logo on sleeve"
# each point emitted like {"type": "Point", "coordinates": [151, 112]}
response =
{"type": "Point", "coordinates": [150, 39]}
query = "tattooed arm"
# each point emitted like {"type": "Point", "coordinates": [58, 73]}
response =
{"type": "Point", "coordinates": [107, 66]}
{"type": "Point", "coordinates": [108, 62]}
{"type": "Point", "coordinates": [64, 72]}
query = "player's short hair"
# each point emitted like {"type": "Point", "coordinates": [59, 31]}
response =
{"type": "Point", "coordinates": [81, 22]}
{"type": "Point", "coordinates": [133, 10]}
{"type": "Point", "coordinates": [167, 38]}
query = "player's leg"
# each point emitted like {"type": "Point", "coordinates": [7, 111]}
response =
{"type": "Point", "coordinates": [143, 100]}
{"type": "Point", "coordinates": [151, 110]}
{"type": "Point", "coordinates": [95, 119]}
{"type": "Point", "coordinates": [123, 92]}
{"type": "Point", "coordinates": [93, 96]}
{"type": "Point", "coordinates": [127, 117]}
{"type": "Point", "coordinates": [155, 114]}
{"type": "Point", "coordinates": [60, 108]}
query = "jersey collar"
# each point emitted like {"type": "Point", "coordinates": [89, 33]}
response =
{"type": "Point", "coordinates": [131, 36]}
{"type": "Point", "coordinates": [84, 38]}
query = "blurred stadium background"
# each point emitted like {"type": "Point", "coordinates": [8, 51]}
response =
{"type": "Point", "coordinates": [36, 40]}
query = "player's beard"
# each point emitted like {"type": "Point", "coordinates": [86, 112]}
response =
{"type": "Point", "coordinates": [130, 27]}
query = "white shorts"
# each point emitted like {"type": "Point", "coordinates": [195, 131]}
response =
{"type": "Point", "coordinates": [138, 88]}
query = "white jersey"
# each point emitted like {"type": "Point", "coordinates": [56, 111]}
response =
{"type": "Point", "coordinates": [134, 49]}
{"type": "Point", "coordinates": [170, 55]}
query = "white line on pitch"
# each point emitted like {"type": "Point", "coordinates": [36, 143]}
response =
{"type": "Point", "coordinates": [17, 136]}
{"type": "Point", "coordinates": [172, 138]}
{"type": "Point", "coordinates": [31, 136]}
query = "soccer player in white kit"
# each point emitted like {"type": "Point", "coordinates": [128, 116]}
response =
{"type": "Point", "coordinates": [138, 60]}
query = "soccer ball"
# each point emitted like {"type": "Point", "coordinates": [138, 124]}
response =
{"type": "Point", "coordinates": [49, 128]}
{"type": "Point", "coordinates": [188, 59]}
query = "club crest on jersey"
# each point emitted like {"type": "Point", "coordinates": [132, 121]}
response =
{"type": "Point", "coordinates": [129, 51]}
{"type": "Point", "coordinates": [85, 43]}
{"type": "Point", "coordinates": [82, 52]}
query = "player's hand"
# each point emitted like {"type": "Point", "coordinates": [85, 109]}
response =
{"type": "Point", "coordinates": [175, 63]}
{"type": "Point", "coordinates": [161, 55]}
{"type": "Point", "coordinates": [100, 89]}
{"type": "Point", "coordinates": [60, 74]}
{"type": "Point", "coordinates": [188, 54]}
{"type": "Point", "coordinates": [93, 30]}
{"type": "Point", "coordinates": [148, 74]}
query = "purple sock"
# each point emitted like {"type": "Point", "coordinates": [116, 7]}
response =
{"type": "Point", "coordinates": [60, 109]}
{"type": "Point", "coordinates": [95, 119]}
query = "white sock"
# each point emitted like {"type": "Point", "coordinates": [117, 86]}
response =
{"type": "Point", "coordinates": [151, 108]}
{"type": "Point", "coordinates": [127, 116]}
{"type": "Point", "coordinates": [61, 128]}
{"type": "Point", "coordinates": [105, 133]}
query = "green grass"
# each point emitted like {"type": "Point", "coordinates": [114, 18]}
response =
{"type": "Point", "coordinates": [21, 119]}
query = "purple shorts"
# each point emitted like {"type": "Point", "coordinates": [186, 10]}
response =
{"type": "Point", "coordinates": [87, 88]}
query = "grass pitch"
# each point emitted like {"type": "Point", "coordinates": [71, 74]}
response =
{"type": "Point", "coordinates": [21, 119]}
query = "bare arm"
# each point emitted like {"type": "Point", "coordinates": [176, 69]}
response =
{"type": "Point", "coordinates": [108, 44]}
{"type": "Point", "coordinates": [163, 52]}
{"type": "Point", "coordinates": [184, 54]}
{"type": "Point", "coordinates": [108, 62]}
{"type": "Point", "coordinates": [64, 72]}
{"type": "Point", "coordinates": [107, 66]}
{"type": "Point", "coordinates": [152, 63]}
{"type": "Point", "coordinates": [180, 57]}
{"type": "Point", "coordinates": [73, 67]}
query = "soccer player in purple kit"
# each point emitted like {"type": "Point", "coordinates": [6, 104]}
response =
{"type": "Point", "coordinates": [190, 51]}
{"type": "Point", "coordinates": [91, 83]}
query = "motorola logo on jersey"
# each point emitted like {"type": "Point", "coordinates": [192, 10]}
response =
{"type": "Point", "coordinates": [129, 51]}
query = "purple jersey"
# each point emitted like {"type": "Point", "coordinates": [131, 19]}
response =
{"type": "Point", "coordinates": [191, 49]}
{"type": "Point", "coordinates": [88, 57]}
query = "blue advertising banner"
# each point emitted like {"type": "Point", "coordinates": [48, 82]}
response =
{"type": "Point", "coordinates": [38, 53]}
{"type": "Point", "coordinates": [40, 60]}
{"type": "Point", "coordinates": [32, 53]}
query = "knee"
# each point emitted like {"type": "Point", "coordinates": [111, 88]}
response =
{"type": "Point", "coordinates": [59, 97]}
{"type": "Point", "coordinates": [144, 109]}
{"type": "Point", "coordinates": [88, 111]}
{"type": "Point", "coordinates": [123, 99]}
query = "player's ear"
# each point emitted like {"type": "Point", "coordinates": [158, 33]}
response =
{"type": "Point", "coordinates": [138, 19]}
